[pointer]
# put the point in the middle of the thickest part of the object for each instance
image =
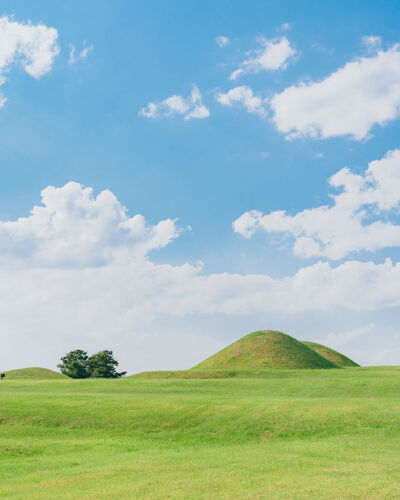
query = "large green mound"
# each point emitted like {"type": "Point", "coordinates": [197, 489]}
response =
{"type": "Point", "coordinates": [331, 355]}
{"type": "Point", "coordinates": [266, 349]}
{"type": "Point", "coordinates": [33, 373]}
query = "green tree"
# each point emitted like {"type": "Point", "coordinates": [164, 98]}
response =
{"type": "Point", "coordinates": [75, 364]}
{"type": "Point", "coordinates": [103, 365]}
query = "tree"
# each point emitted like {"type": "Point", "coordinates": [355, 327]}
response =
{"type": "Point", "coordinates": [103, 365]}
{"type": "Point", "coordinates": [75, 364]}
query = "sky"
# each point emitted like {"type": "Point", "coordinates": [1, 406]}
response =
{"type": "Point", "coordinates": [174, 175]}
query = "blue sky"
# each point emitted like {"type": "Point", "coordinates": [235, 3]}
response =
{"type": "Point", "coordinates": [80, 120]}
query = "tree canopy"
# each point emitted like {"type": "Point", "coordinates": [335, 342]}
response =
{"type": "Point", "coordinates": [77, 364]}
{"type": "Point", "coordinates": [103, 365]}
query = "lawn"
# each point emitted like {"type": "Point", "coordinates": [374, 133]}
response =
{"type": "Point", "coordinates": [295, 434]}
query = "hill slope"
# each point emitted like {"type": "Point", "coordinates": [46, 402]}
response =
{"type": "Point", "coordinates": [266, 349]}
{"type": "Point", "coordinates": [33, 373]}
{"type": "Point", "coordinates": [331, 355]}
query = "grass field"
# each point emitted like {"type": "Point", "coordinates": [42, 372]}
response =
{"type": "Point", "coordinates": [294, 434]}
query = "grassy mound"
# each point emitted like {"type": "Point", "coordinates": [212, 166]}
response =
{"type": "Point", "coordinates": [32, 373]}
{"type": "Point", "coordinates": [331, 355]}
{"type": "Point", "coordinates": [265, 349]}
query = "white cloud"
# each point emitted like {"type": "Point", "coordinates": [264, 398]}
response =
{"type": "Point", "coordinates": [75, 234]}
{"type": "Point", "coordinates": [34, 47]}
{"type": "Point", "coordinates": [350, 224]}
{"type": "Point", "coordinates": [372, 43]}
{"type": "Point", "coordinates": [222, 41]}
{"type": "Point", "coordinates": [243, 96]}
{"type": "Point", "coordinates": [190, 107]}
{"type": "Point", "coordinates": [74, 57]}
{"type": "Point", "coordinates": [76, 272]}
{"type": "Point", "coordinates": [350, 101]}
{"type": "Point", "coordinates": [284, 27]}
{"type": "Point", "coordinates": [73, 227]}
{"type": "Point", "coordinates": [274, 55]}
{"type": "Point", "coordinates": [139, 289]}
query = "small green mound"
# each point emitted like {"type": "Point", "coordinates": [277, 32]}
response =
{"type": "Point", "coordinates": [263, 350]}
{"type": "Point", "coordinates": [33, 373]}
{"type": "Point", "coordinates": [331, 355]}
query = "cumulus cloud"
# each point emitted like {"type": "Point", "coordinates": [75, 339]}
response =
{"type": "Point", "coordinates": [350, 224]}
{"type": "Point", "coordinates": [34, 47]}
{"type": "Point", "coordinates": [189, 107]}
{"type": "Point", "coordinates": [350, 101]}
{"type": "Point", "coordinates": [274, 55]}
{"type": "Point", "coordinates": [244, 97]}
{"type": "Point", "coordinates": [74, 234]}
{"type": "Point", "coordinates": [72, 227]}
{"type": "Point", "coordinates": [74, 56]}
{"type": "Point", "coordinates": [222, 41]}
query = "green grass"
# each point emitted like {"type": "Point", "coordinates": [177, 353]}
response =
{"type": "Point", "coordinates": [195, 373]}
{"type": "Point", "coordinates": [265, 349]}
{"type": "Point", "coordinates": [288, 434]}
{"type": "Point", "coordinates": [33, 373]}
{"type": "Point", "coordinates": [331, 355]}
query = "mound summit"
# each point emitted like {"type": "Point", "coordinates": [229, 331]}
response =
{"type": "Point", "coordinates": [267, 349]}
